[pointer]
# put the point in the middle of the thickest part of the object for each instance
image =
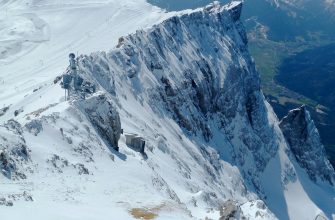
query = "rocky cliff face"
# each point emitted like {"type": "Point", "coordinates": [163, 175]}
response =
{"type": "Point", "coordinates": [304, 141]}
{"type": "Point", "coordinates": [14, 153]}
{"type": "Point", "coordinates": [202, 56]}
{"type": "Point", "coordinates": [195, 69]}
{"type": "Point", "coordinates": [189, 87]}
{"type": "Point", "coordinates": [104, 118]}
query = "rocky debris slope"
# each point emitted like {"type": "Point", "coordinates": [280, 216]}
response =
{"type": "Point", "coordinates": [304, 141]}
{"type": "Point", "coordinates": [14, 153]}
{"type": "Point", "coordinates": [231, 210]}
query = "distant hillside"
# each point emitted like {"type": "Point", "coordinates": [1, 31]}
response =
{"type": "Point", "coordinates": [277, 30]}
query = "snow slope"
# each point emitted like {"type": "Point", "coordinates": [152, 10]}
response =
{"type": "Point", "coordinates": [37, 36]}
{"type": "Point", "coordinates": [187, 85]}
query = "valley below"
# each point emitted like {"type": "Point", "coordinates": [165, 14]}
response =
{"type": "Point", "coordinates": [312, 74]}
{"type": "Point", "coordinates": [303, 52]}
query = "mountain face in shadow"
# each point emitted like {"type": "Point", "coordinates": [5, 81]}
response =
{"type": "Point", "coordinates": [299, 37]}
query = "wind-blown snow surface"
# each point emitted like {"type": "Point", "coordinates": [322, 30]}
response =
{"type": "Point", "coordinates": [190, 88]}
{"type": "Point", "coordinates": [37, 36]}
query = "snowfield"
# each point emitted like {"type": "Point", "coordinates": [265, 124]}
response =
{"type": "Point", "coordinates": [37, 36]}
{"type": "Point", "coordinates": [185, 82]}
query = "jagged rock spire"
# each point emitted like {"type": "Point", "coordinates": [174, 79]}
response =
{"type": "Point", "coordinates": [304, 140]}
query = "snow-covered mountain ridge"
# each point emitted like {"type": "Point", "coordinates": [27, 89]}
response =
{"type": "Point", "coordinates": [189, 87]}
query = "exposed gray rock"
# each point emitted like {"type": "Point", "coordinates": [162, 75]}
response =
{"type": "Point", "coordinates": [14, 152]}
{"type": "Point", "coordinates": [81, 169]}
{"type": "Point", "coordinates": [9, 203]}
{"type": "Point", "coordinates": [5, 202]}
{"type": "Point", "coordinates": [18, 111]}
{"type": "Point", "coordinates": [230, 210]}
{"type": "Point", "coordinates": [34, 127]}
{"type": "Point", "coordinates": [160, 184]}
{"type": "Point", "coordinates": [4, 110]}
{"type": "Point", "coordinates": [6, 165]}
{"type": "Point", "coordinates": [304, 141]}
{"type": "Point", "coordinates": [104, 118]}
{"type": "Point", "coordinates": [14, 126]}
{"type": "Point", "coordinates": [60, 165]}
{"type": "Point", "coordinates": [96, 70]}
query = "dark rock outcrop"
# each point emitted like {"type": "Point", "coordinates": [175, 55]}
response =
{"type": "Point", "coordinates": [230, 210]}
{"type": "Point", "coordinates": [304, 140]}
{"type": "Point", "coordinates": [14, 152]}
{"type": "Point", "coordinates": [104, 118]}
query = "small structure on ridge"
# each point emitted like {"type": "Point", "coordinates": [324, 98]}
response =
{"type": "Point", "coordinates": [135, 142]}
